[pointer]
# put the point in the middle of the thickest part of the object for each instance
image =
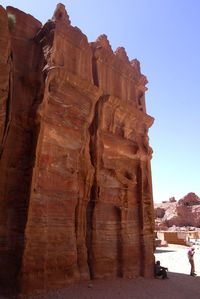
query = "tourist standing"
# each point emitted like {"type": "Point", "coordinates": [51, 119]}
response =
{"type": "Point", "coordinates": [191, 253]}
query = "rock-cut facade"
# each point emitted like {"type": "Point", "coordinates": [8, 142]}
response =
{"type": "Point", "coordinates": [75, 175]}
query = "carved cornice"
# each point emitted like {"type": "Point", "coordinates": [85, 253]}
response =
{"type": "Point", "coordinates": [131, 112]}
{"type": "Point", "coordinates": [84, 86]}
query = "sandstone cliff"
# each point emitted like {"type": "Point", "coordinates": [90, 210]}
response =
{"type": "Point", "coordinates": [75, 186]}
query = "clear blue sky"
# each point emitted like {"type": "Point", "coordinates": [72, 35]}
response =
{"type": "Point", "coordinates": [164, 36]}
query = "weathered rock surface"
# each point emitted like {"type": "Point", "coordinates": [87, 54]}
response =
{"type": "Point", "coordinates": [20, 95]}
{"type": "Point", "coordinates": [75, 186]}
{"type": "Point", "coordinates": [5, 68]}
{"type": "Point", "coordinates": [185, 212]}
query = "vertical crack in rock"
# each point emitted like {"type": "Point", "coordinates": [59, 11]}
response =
{"type": "Point", "coordinates": [140, 213]}
{"type": "Point", "coordinates": [94, 190]}
{"type": "Point", "coordinates": [8, 105]}
{"type": "Point", "coordinates": [5, 73]}
{"type": "Point", "coordinates": [119, 243]}
{"type": "Point", "coordinates": [94, 71]}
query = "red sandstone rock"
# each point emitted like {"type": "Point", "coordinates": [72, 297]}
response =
{"type": "Point", "coordinates": [5, 68]}
{"type": "Point", "coordinates": [159, 212]}
{"type": "Point", "coordinates": [185, 212]}
{"type": "Point", "coordinates": [23, 92]}
{"type": "Point", "coordinates": [76, 195]}
{"type": "Point", "coordinates": [189, 200]}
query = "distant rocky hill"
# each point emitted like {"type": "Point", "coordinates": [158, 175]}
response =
{"type": "Point", "coordinates": [184, 212]}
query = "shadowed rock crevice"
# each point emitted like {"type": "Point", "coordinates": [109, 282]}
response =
{"type": "Point", "coordinates": [93, 147]}
{"type": "Point", "coordinates": [94, 71]}
{"type": "Point", "coordinates": [89, 217]}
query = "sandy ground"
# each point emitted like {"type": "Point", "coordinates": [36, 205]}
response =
{"type": "Point", "coordinates": [180, 284]}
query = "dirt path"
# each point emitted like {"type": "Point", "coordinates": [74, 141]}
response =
{"type": "Point", "coordinates": [180, 284]}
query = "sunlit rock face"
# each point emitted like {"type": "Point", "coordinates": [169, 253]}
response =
{"type": "Point", "coordinates": [183, 213]}
{"type": "Point", "coordinates": [75, 185]}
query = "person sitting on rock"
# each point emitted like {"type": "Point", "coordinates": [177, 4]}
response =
{"type": "Point", "coordinates": [160, 271]}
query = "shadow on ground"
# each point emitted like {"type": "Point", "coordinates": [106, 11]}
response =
{"type": "Point", "coordinates": [179, 286]}
{"type": "Point", "coordinates": [164, 251]}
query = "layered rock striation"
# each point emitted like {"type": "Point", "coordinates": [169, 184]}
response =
{"type": "Point", "coordinates": [75, 185]}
